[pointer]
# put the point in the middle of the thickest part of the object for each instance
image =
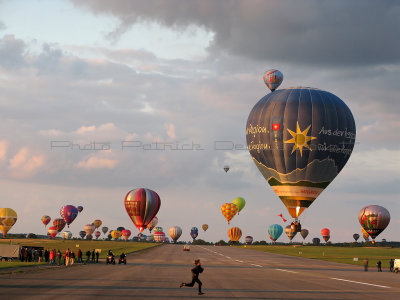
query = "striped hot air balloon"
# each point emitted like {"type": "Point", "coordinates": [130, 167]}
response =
{"type": "Point", "coordinates": [234, 234]}
{"type": "Point", "coordinates": [229, 210]}
{"type": "Point", "coordinates": [142, 205]}
{"type": "Point", "coordinates": [175, 233]}
{"type": "Point", "coordinates": [159, 237]}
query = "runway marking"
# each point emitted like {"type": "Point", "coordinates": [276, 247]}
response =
{"type": "Point", "coordinates": [287, 271]}
{"type": "Point", "coordinates": [228, 257]}
{"type": "Point", "coordinates": [256, 265]}
{"type": "Point", "coordinates": [239, 260]}
{"type": "Point", "coordinates": [359, 282]}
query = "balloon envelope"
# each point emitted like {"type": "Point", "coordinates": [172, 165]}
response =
{"type": "Point", "coordinates": [300, 139]}
{"type": "Point", "coordinates": [356, 236]}
{"type": "Point", "coordinates": [142, 205]}
{"type": "Point", "coordinates": [82, 233]}
{"type": "Point", "coordinates": [59, 224]}
{"type": "Point", "coordinates": [249, 240]}
{"type": "Point", "coordinates": [8, 217]}
{"type": "Point", "coordinates": [89, 229]}
{"type": "Point", "coordinates": [153, 223]}
{"type": "Point", "coordinates": [374, 219]}
{"type": "Point", "coordinates": [46, 220]}
{"type": "Point", "coordinates": [97, 223]}
{"type": "Point", "coordinates": [226, 169]}
{"type": "Point", "coordinates": [304, 233]}
{"type": "Point", "coordinates": [239, 202]}
{"type": "Point", "coordinates": [273, 79]}
{"type": "Point", "coordinates": [234, 233]}
{"type": "Point", "coordinates": [69, 213]}
{"type": "Point", "coordinates": [66, 235]}
{"type": "Point", "coordinates": [126, 233]}
{"type": "Point", "coordinates": [80, 208]}
{"type": "Point", "coordinates": [97, 234]}
{"type": "Point", "coordinates": [229, 210]}
{"type": "Point", "coordinates": [159, 237]}
{"type": "Point", "coordinates": [104, 229]}
{"type": "Point", "coordinates": [115, 234]}
{"type": "Point", "coordinates": [275, 231]}
{"type": "Point", "coordinates": [158, 229]}
{"type": "Point", "coordinates": [205, 227]}
{"type": "Point", "coordinates": [316, 241]}
{"type": "Point", "coordinates": [289, 233]}
{"type": "Point", "coordinates": [194, 232]}
{"type": "Point", "coordinates": [53, 231]}
{"type": "Point", "coordinates": [175, 232]}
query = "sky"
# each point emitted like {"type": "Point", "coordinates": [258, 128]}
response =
{"type": "Point", "coordinates": [88, 87]}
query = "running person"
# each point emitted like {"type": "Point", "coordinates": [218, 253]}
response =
{"type": "Point", "coordinates": [195, 276]}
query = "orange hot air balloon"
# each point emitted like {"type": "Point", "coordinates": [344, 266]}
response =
{"type": "Point", "coordinates": [326, 234]}
{"type": "Point", "coordinates": [97, 223]}
{"type": "Point", "coordinates": [53, 231]}
{"type": "Point", "coordinates": [205, 227]}
{"type": "Point", "coordinates": [229, 210]}
{"type": "Point", "coordinates": [234, 234]}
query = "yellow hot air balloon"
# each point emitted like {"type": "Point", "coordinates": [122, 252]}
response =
{"type": "Point", "coordinates": [97, 223]}
{"type": "Point", "coordinates": [115, 234]}
{"type": "Point", "coordinates": [8, 217]}
{"type": "Point", "coordinates": [205, 227]}
{"type": "Point", "coordinates": [229, 210]}
{"type": "Point", "coordinates": [234, 234]}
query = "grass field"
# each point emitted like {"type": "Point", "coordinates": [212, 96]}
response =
{"type": "Point", "coordinates": [116, 246]}
{"type": "Point", "coordinates": [336, 254]}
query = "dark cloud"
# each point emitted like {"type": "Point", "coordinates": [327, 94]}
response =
{"type": "Point", "coordinates": [12, 52]}
{"type": "Point", "coordinates": [307, 32]}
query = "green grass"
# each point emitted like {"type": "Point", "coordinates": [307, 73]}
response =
{"type": "Point", "coordinates": [336, 254]}
{"type": "Point", "coordinates": [116, 246]}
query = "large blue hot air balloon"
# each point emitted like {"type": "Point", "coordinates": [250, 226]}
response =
{"type": "Point", "coordinates": [300, 139]}
{"type": "Point", "coordinates": [275, 231]}
{"type": "Point", "coordinates": [194, 232]}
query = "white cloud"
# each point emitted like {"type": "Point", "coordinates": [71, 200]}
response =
{"type": "Point", "coordinates": [97, 163]}
{"type": "Point", "coordinates": [24, 164]}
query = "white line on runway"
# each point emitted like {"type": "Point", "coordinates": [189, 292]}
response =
{"type": "Point", "coordinates": [382, 286]}
{"type": "Point", "coordinates": [287, 271]}
{"type": "Point", "coordinates": [256, 265]}
{"type": "Point", "coordinates": [239, 260]}
{"type": "Point", "coordinates": [227, 257]}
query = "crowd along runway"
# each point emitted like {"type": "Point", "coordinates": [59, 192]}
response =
{"type": "Point", "coordinates": [230, 273]}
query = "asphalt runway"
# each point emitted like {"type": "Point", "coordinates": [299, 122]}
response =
{"type": "Point", "coordinates": [229, 273]}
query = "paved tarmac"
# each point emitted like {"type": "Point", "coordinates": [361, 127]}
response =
{"type": "Point", "coordinates": [230, 273]}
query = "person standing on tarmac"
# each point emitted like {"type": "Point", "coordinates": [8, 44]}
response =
{"type": "Point", "coordinates": [195, 276]}
{"type": "Point", "coordinates": [379, 265]}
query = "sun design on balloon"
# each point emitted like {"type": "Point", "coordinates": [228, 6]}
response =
{"type": "Point", "coordinates": [300, 139]}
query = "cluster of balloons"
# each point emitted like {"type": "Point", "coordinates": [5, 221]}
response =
{"type": "Point", "coordinates": [229, 210]}
{"type": "Point", "coordinates": [68, 214]}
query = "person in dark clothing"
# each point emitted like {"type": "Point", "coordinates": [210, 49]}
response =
{"type": "Point", "coordinates": [379, 265]}
{"type": "Point", "coordinates": [366, 265]}
{"type": "Point", "coordinates": [391, 265]}
{"type": "Point", "coordinates": [46, 255]}
{"type": "Point", "coordinates": [97, 257]}
{"type": "Point", "coordinates": [195, 276]}
{"type": "Point", "coordinates": [93, 256]}
{"type": "Point", "coordinates": [88, 256]}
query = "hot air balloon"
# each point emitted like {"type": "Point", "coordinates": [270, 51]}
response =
{"type": "Point", "coordinates": [304, 233]}
{"type": "Point", "coordinates": [249, 240]}
{"type": "Point", "coordinates": [158, 229]}
{"type": "Point", "coordinates": [374, 219]}
{"type": "Point", "coordinates": [226, 169]}
{"type": "Point", "coordinates": [53, 231]}
{"type": "Point", "coordinates": [326, 234]}
{"type": "Point", "coordinates": [234, 234]}
{"type": "Point", "coordinates": [46, 220]}
{"type": "Point", "coordinates": [142, 205]}
{"type": "Point", "coordinates": [97, 223]}
{"type": "Point", "coordinates": [194, 232]}
{"type": "Point", "coordinates": [275, 231]}
{"type": "Point", "coordinates": [89, 229]}
{"type": "Point", "coordinates": [69, 213]}
{"type": "Point", "coordinates": [159, 237]}
{"type": "Point", "coordinates": [300, 139]}
{"type": "Point", "coordinates": [126, 233]}
{"type": "Point", "coordinates": [240, 203]}
{"type": "Point", "coordinates": [120, 228]}
{"type": "Point", "coordinates": [283, 219]}
{"type": "Point", "coordinates": [149, 238]}
{"type": "Point", "coordinates": [152, 224]}
{"type": "Point", "coordinates": [229, 210]}
{"type": "Point", "coordinates": [104, 229]}
{"type": "Point", "coordinates": [82, 234]}
{"type": "Point", "coordinates": [365, 234]}
{"type": "Point", "coordinates": [8, 217]}
{"type": "Point", "coordinates": [316, 241]}
{"type": "Point", "coordinates": [89, 237]}
{"type": "Point", "coordinates": [356, 236]}
{"type": "Point", "coordinates": [59, 224]}
{"type": "Point", "coordinates": [97, 234]}
{"type": "Point", "coordinates": [115, 234]}
{"type": "Point", "coordinates": [290, 234]}
{"type": "Point", "coordinates": [205, 227]}
{"type": "Point", "coordinates": [273, 79]}
{"type": "Point", "coordinates": [80, 208]}
{"type": "Point", "coordinates": [66, 235]}
{"type": "Point", "coordinates": [175, 233]}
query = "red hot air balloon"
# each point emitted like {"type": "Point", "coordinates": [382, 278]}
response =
{"type": "Point", "coordinates": [53, 231]}
{"type": "Point", "coordinates": [46, 220]}
{"type": "Point", "coordinates": [326, 234]}
{"type": "Point", "coordinates": [142, 205]}
{"type": "Point", "coordinates": [97, 234]}
{"type": "Point", "coordinates": [126, 234]}
{"type": "Point", "coordinates": [59, 224]}
{"type": "Point", "coordinates": [69, 213]}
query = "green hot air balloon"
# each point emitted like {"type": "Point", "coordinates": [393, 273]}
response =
{"type": "Point", "coordinates": [239, 202]}
{"type": "Point", "coordinates": [300, 139]}
{"type": "Point", "coordinates": [275, 231]}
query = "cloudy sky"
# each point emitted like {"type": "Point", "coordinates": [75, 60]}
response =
{"type": "Point", "coordinates": [86, 86]}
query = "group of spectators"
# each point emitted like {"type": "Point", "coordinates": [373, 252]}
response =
{"type": "Point", "coordinates": [56, 257]}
